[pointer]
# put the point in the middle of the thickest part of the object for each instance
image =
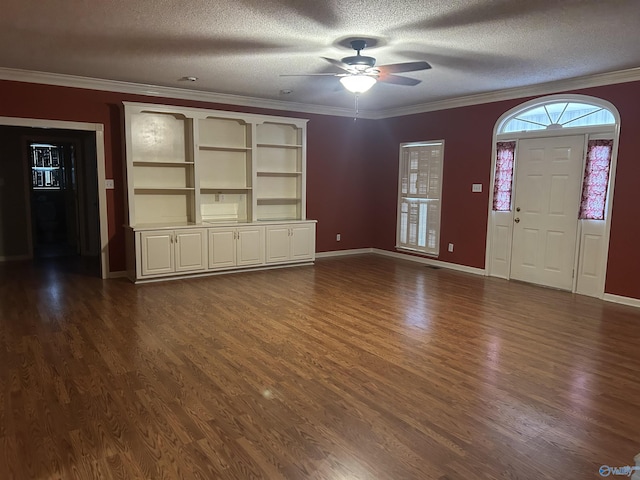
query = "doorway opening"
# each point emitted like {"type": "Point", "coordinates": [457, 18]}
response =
{"type": "Point", "coordinates": [553, 175]}
{"type": "Point", "coordinates": [53, 210]}
{"type": "Point", "coordinates": [63, 198]}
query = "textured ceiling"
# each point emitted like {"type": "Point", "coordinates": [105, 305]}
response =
{"type": "Point", "coordinates": [242, 47]}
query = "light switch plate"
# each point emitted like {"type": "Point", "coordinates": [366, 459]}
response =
{"type": "Point", "coordinates": [476, 187]}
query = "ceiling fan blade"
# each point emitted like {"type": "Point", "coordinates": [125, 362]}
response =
{"type": "Point", "coordinates": [339, 64]}
{"type": "Point", "coordinates": [403, 67]}
{"type": "Point", "coordinates": [398, 80]}
{"type": "Point", "coordinates": [310, 74]}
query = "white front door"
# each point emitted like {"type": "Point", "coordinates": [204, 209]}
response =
{"type": "Point", "coordinates": [547, 199]}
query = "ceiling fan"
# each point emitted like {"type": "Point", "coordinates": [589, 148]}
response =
{"type": "Point", "coordinates": [362, 73]}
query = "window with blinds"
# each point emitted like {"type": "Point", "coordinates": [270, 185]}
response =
{"type": "Point", "coordinates": [419, 192]}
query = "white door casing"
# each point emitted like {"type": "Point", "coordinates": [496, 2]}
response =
{"type": "Point", "coordinates": [547, 199]}
{"type": "Point", "coordinates": [593, 235]}
{"type": "Point", "coordinates": [98, 130]}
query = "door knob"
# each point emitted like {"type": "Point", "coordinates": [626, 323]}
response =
{"type": "Point", "coordinates": [517, 220]}
{"type": "Point", "coordinates": [517, 209]}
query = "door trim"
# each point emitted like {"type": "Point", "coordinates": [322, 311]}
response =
{"type": "Point", "coordinates": [613, 130]}
{"type": "Point", "coordinates": [98, 130]}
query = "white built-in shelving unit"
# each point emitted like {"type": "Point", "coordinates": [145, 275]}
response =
{"type": "Point", "coordinates": [232, 178]}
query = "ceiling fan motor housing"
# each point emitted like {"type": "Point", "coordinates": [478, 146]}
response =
{"type": "Point", "coordinates": [361, 62]}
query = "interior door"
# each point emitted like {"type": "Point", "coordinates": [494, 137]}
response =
{"type": "Point", "coordinates": [547, 198]}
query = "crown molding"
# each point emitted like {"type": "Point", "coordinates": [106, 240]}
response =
{"type": "Point", "coordinates": [588, 81]}
{"type": "Point", "coordinates": [62, 80]}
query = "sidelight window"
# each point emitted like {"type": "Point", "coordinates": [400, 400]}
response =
{"type": "Point", "coordinates": [596, 179]}
{"type": "Point", "coordinates": [503, 182]}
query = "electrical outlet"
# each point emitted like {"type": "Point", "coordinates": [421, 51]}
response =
{"type": "Point", "coordinates": [450, 247]}
{"type": "Point", "coordinates": [109, 184]}
{"type": "Point", "coordinates": [476, 187]}
{"type": "Point", "coordinates": [337, 237]}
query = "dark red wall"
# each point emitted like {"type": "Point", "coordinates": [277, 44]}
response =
{"type": "Point", "coordinates": [467, 132]}
{"type": "Point", "coordinates": [337, 190]}
{"type": "Point", "coordinates": [353, 170]}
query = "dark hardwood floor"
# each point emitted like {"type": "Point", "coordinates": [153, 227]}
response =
{"type": "Point", "coordinates": [356, 368]}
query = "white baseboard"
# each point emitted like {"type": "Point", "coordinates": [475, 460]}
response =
{"type": "Point", "coordinates": [402, 256]}
{"type": "Point", "coordinates": [431, 261]}
{"type": "Point", "coordinates": [632, 302]}
{"type": "Point", "coordinates": [342, 253]}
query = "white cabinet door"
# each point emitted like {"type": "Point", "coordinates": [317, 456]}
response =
{"type": "Point", "coordinates": [250, 246]}
{"type": "Point", "coordinates": [291, 242]}
{"type": "Point", "coordinates": [278, 248]}
{"type": "Point", "coordinates": [190, 250]}
{"type": "Point", "coordinates": [303, 242]}
{"type": "Point", "coordinates": [157, 252]}
{"type": "Point", "coordinates": [222, 248]}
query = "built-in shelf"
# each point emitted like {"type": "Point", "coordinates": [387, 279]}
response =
{"type": "Point", "coordinates": [278, 174]}
{"type": "Point", "coordinates": [219, 148]}
{"type": "Point", "coordinates": [225, 189]}
{"type": "Point", "coordinates": [207, 177]}
{"type": "Point", "coordinates": [161, 164]}
{"type": "Point", "coordinates": [168, 190]}
{"type": "Point", "coordinates": [277, 219]}
{"type": "Point", "coordinates": [278, 145]}
{"type": "Point", "coordinates": [266, 201]}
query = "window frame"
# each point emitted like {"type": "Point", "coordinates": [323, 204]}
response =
{"type": "Point", "coordinates": [422, 199]}
{"type": "Point", "coordinates": [554, 127]}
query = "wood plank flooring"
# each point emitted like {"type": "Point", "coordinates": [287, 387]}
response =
{"type": "Point", "coordinates": [356, 368]}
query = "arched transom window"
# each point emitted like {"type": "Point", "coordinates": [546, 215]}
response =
{"type": "Point", "coordinates": [557, 115]}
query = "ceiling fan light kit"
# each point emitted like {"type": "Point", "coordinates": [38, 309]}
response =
{"type": "Point", "coordinates": [358, 83]}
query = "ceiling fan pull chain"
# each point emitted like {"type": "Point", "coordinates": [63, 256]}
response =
{"type": "Point", "coordinates": [357, 111]}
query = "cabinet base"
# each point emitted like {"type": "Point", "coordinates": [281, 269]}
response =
{"type": "Point", "coordinates": [256, 268]}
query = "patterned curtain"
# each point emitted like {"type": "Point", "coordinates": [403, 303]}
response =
{"type": "Point", "coordinates": [504, 176]}
{"type": "Point", "coordinates": [596, 179]}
